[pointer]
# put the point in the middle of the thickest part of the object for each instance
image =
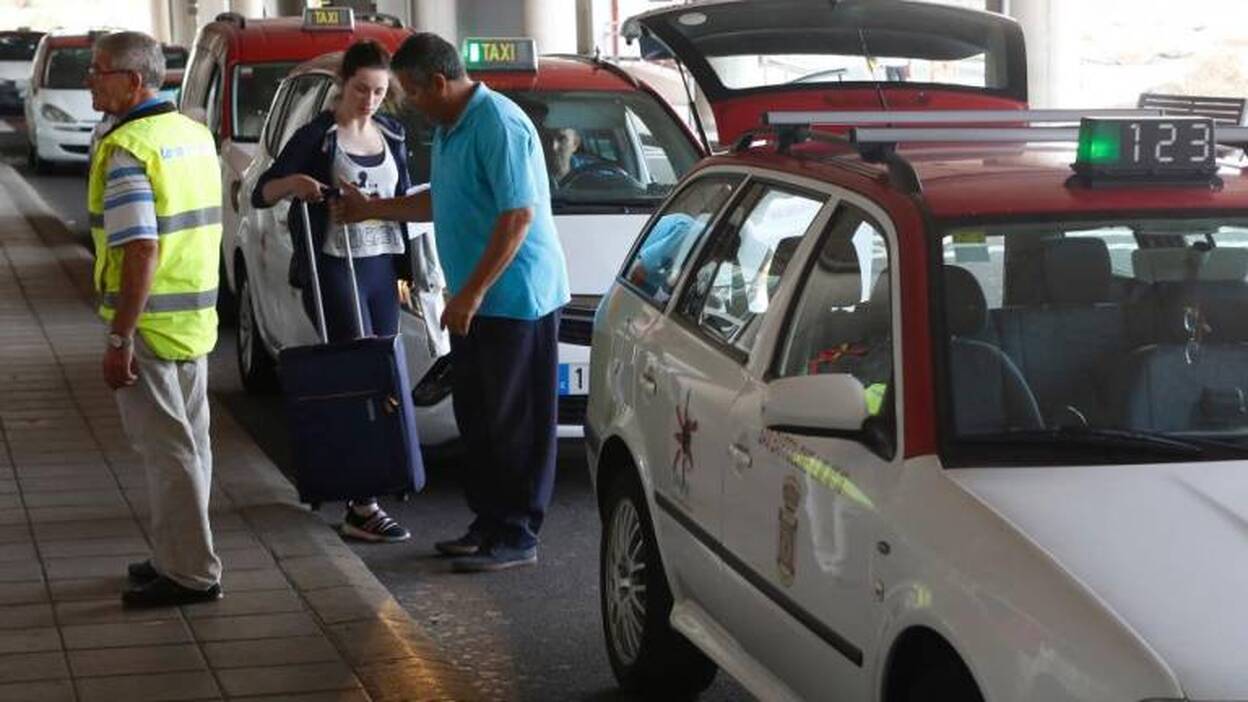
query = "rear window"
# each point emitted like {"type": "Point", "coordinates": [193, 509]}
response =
{"type": "Point", "coordinates": [18, 46]}
{"type": "Point", "coordinates": [254, 88]}
{"type": "Point", "coordinates": [67, 68]}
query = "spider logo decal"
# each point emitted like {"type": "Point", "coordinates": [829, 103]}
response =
{"type": "Point", "coordinates": [682, 464]}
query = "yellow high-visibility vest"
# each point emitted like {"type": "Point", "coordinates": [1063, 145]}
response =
{"type": "Point", "coordinates": [180, 158]}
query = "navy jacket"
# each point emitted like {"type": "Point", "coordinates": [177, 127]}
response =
{"type": "Point", "coordinates": [310, 151]}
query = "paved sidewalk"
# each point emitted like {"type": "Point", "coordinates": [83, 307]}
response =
{"type": "Point", "coordinates": [302, 618]}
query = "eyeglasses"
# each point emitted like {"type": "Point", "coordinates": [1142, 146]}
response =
{"type": "Point", "coordinates": [94, 71]}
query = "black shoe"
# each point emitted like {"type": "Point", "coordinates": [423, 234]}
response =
{"type": "Point", "coordinates": [495, 558]}
{"type": "Point", "coordinates": [377, 527]}
{"type": "Point", "coordinates": [142, 572]}
{"type": "Point", "coordinates": [467, 545]}
{"type": "Point", "coordinates": [163, 592]}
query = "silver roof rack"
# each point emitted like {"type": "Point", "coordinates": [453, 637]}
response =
{"type": "Point", "coordinates": [851, 118]}
{"type": "Point", "coordinates": [1227, 136]}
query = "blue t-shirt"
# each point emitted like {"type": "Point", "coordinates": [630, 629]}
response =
{"type": "Point", "coordinates": [488, 162]}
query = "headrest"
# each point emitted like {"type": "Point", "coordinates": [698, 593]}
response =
{"type": "Point", "coordinates": [1177, 264]}
{"type": "Point", "coordinates": [841, 276]}
{"type": "Point", "coordinates": [1076, 271]}
{"type": "Point", "coordinates": [966, 309]}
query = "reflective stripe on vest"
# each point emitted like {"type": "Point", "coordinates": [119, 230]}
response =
{"type": "Point", "coordinates": [179, 158]}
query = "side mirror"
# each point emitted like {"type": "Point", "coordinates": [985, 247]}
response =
{"type": "Point", "coordinates": [197, 113]}
{"type": "Point", "coordinates": [829, 404]}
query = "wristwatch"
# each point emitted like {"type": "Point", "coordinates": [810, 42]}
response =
{"type": "Point", "coordinates": [117, 341]}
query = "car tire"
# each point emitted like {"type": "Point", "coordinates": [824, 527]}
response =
{"type": "Point", "coordinates": [227, 301]}
{"type": "Point", "coordinates": [255, 365]}
{"type": "Point", "coordinates": [942, 678]}
{"type": "Point", "coordinates": [37, 164]}
{"type": "Point", "coordinates": [646, 654]}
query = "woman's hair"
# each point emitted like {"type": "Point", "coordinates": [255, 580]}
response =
{"type": "Point", "coordinates": [365, 53]}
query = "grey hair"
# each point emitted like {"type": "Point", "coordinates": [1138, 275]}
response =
{"type": "Point", "coordinates": [135, 51]}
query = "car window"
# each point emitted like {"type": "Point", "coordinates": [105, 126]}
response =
{"type": "Point", "coordinates": [733, 285]}
{"type": "Point", "coordinates": [18, 46]}
{"type": "Point", "coordinates": [842, 319]}
{"type": "Point", "coordinates": [273, 125]}
{"type": "Point", "coordinates": [175, 57]}
{"type": "Point", "coordinates": [254, 88]}
{"type": "Point", "coordinates": [661, 256]}
{"type": "Point", "coordinates": [304, 98]}
{"type": "Point", "coordinates": [67, 68]}
{"type": "Point", "coordinates": [214, 101]}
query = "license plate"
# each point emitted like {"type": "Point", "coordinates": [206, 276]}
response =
{"type": "Point", "coordinates": [573, 378]}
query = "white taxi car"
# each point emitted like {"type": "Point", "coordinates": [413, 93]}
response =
{"type": "Point", "coordinates": [887, 409]}
{"type": "Point", "coordinates": [632, 150]}
{"type": "Point", "coordinates": [59, 116]}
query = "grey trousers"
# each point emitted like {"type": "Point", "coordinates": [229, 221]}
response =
{"type": "Point", "coordinates": [165, 414]}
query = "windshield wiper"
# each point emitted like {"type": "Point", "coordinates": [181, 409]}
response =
{"type": "Point", "coordinates": [1095, 437]}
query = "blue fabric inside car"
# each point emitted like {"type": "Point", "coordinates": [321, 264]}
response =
{"type": "Point", "coordinates": [990, 394]}
{"type": "Point", "coordinates": [1064, 341]}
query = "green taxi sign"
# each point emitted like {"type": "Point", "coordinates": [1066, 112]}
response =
{"type": "Point", "coordinates": [328, 19]}
{"type": "Point", "coordinates": [1146, 149]}
{"type": "Point", "coordinates": [500, 54]}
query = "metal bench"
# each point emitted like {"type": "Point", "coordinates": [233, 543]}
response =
{"type": "Point", "coordinates": [1223, 110]}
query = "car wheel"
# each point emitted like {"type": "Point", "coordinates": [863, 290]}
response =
{"type": "Point", "coordinates": [646, 654]}
{"type": "Point", "coordinates": [227, 304]}
{"type": "Point", "coordinates": [37, 164]}
{"type": "Point", "coordinates": [255, 365]}
{"type": "Point", "coordinates": [943, 679]}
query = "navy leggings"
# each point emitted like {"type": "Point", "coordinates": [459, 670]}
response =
{"type": "Point", "coordinates": [379, 297]}
{"type": "Point", "coordinates": [379, 302]}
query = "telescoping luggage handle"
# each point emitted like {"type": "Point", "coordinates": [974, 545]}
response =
{"type": "Point", "coordinates": [316, 278]}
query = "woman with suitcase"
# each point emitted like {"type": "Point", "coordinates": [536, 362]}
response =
{"type": "Point", "coordinates": [354, 143]}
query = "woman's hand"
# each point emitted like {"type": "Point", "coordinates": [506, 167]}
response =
{"type": "Point", "coordinates": [302, 187]}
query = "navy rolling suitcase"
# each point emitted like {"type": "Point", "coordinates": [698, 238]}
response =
{"type": "Point", "coordinates": [350, 409]}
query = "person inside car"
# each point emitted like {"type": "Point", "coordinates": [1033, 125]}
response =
{"type": "Point", "coordinates": [355, 144]}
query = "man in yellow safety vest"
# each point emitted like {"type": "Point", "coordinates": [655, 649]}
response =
{"type": "Point", "coordinates": [154, 199]}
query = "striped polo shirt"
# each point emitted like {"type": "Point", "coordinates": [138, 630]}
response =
{"type": "Point", "coordinates": [129, 202]}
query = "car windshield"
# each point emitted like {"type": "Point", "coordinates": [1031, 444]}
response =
{"type": "Point", "coordinates": [175, 57]}
{"type": "Point", "coordinates": [1102, 338]}
{"type": "Point", "coordinates": [254, 88]}
{"type": "Point", "coordinates": [18, 46]}
{"type": "Point", "coordinates": [603, 149]}
{"type": "Point", "coordinates": [67, 68]}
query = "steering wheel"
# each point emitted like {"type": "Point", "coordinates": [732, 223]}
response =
{"type": "Point", "coordinates": [599, 170]}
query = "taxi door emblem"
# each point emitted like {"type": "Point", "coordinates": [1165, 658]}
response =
{"type": "Point", "coordinates": [786, 562]}
{"type": "Point", "coordinates": [682, 464]}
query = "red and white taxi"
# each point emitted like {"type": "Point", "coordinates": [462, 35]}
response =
{"type": "Point", "coordinates": [925, 405]}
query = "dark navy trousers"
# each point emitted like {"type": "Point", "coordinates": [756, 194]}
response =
{"type": "Point", "coordinates": [506, 383]}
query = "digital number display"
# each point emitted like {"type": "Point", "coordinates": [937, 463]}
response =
{"type": "Point", "coordinates": [328, 19]}
{"type": "Point", "coordinates": [1167, 147]}
{"type": "Point", "coordinates": [500, 55]}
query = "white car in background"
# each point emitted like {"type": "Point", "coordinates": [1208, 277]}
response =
{"type": "Point", "coordinates": [59, 117]}
{"type": "Point", "coordinates": [633, 149]}
{"type": "Point", "coordinates": [17, 52]}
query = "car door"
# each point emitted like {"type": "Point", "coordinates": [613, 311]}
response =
{"type": "Point", "coordinates": [799, 515]}
{"type": "Point", "coordinates": [286, 314]}
{"type": "Point", "coordinates": [658, 358]}
{"type": "Point", "coordinates": [700, 370]}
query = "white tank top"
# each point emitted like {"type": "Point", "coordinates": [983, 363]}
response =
{"type": "Point", "coordinates": [378, 177]}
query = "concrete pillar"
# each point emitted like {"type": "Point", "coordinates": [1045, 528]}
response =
{"type": "Point", "coordinates": [553, 24]}
{"type": "Point", "coordinates": [161, 27]}
{"type": "Point", "coordinates": [1051, 29]}
{"type": "Point", "coordinates": [585, 24]}
{"type": "Point", "coordinates": [437, 16]}
{"type": "Point", "coordinates": [248, 8]}
{"type": "Point", "coordinates": [288, 8]}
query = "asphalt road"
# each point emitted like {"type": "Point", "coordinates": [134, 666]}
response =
{"type": "Point", "coordinates": [529, 634]}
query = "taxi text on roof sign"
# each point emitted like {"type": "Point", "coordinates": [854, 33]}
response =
{"type": "Point", "coordinates": [328, 19]}
{"type": "Point", "coordinates": [494, 54]}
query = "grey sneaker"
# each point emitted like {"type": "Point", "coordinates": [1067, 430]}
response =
{"type": "Point", "coordinates": [467, 545]}
{"type": "Point", "coordinates": [497, 557]}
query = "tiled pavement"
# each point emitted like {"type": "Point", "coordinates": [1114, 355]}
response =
{"type": "Point", "coordinates": [302, 619]}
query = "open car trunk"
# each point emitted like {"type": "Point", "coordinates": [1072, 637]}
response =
{"type": "Point", "coordinates": [754, 56]}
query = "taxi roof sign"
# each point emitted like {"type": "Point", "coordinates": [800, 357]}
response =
{"type": "Point", "coordinates": [1146, 149]}
{"type": "Point", "coordinates": [500, 54]}
{"type": "Point", "coordinates": [328, 19]}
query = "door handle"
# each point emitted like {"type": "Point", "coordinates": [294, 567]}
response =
{"type": "Point", "coordinates": [648, 383]}
{"type": "Point", "coordinates": [741, 455]}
